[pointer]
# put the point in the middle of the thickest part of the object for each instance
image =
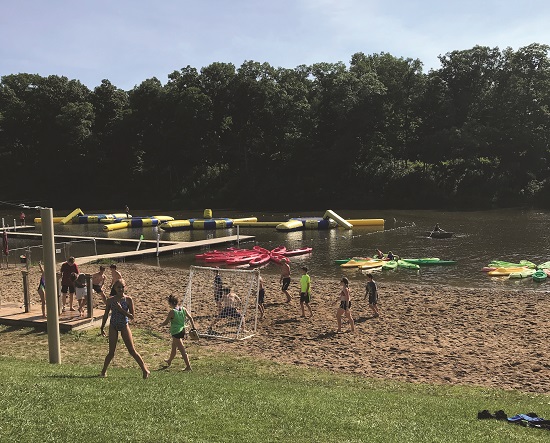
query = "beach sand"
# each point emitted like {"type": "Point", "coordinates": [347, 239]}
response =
{"type": "Point", "coordinates": [443, 335]}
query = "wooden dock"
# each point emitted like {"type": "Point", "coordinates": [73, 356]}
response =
{"type": "Point", "coordinates": [14, 315]}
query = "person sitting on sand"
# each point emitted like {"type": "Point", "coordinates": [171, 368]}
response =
{"type": "Point", "coordinates": [229, 302]}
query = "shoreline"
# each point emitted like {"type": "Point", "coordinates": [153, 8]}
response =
{"type": "Point", "coordinates": [442, 335]}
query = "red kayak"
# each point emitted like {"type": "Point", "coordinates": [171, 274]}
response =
{"type": "Point", "coordinates": [276, 258]}
{"type": "Point", "coordinates": [241, 259]}
{"type": "Point", "coordinates": [299, 251]}
{"type": "Point", "coordinates": [260, 260]}
{"type": "Point", "coordinates": [279, 250]}
{"type": "Point", "coordinates": [261, 250]}
{"type": "Point", "coordinates": [218, 258]}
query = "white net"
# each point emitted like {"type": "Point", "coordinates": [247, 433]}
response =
{"type": "Point", "coordinates": [223, 302]}
{"type": "Point", "coordinates": [23, 252]}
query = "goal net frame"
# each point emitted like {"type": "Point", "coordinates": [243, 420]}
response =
{"type": "Point", "coordinates": [210, 318]}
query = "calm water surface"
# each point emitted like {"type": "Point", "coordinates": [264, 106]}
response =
{"type": "Point", "coordinates": [480, 237]}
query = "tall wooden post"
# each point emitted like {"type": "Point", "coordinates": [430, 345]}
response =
{"type": "Point", "coordinates": [48, 244]}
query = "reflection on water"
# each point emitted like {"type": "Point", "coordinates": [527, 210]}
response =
{"type": "Point", "coordinates": [480, 237]}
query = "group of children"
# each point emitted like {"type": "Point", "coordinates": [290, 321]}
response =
{"type": "Point", "coordinates": [74, 284]}
{"type": "Point", "coordinates": [121, 307]}
{"type": "Point", "coordinates": [344, 296]}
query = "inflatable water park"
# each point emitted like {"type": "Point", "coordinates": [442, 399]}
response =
{"type": "Point", "coordinates": [116, 221]}
{"type": "Point", "coordinates": [112, 222]}
{"type": "Point", "coordinates": [329, 220]}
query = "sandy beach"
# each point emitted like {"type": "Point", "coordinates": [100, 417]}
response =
{"type": "Point", "coordinates": [442, 335]}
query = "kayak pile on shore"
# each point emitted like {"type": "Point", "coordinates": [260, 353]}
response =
{"type": "Point", "coordinates": [255, 257]}
{"type": "Point", "coordinates": [376, 263]}
{"type": "Point", "coordinates": [523, 269]}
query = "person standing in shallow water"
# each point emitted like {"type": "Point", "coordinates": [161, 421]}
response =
{"type": "Point", "coordinates": [121, 307]}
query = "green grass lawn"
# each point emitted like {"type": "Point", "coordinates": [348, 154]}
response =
{"type": "Point", "coordinates": [228, 399]}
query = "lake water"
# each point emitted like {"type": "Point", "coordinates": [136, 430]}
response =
{"type": "Point", "coordinates": [480, 237]}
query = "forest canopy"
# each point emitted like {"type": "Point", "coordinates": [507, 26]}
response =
{"type": "Point", "coordinates": [378, 133]}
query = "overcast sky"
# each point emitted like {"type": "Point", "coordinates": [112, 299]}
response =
{"type": "Point", "coordinates": [128, 41]}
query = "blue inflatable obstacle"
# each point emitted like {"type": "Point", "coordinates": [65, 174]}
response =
{"type": "Point", "coordinates": [97, 218]}
{"type": "Point", "coordinates": [212, 223]}
{"type": "Point", "coordinates": [132, 223]}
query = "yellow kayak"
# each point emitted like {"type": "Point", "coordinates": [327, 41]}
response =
{"type": "Point", "coordinates": [498, 272]}
{"type": "Point", "coordinates": [356, 263]}
{"type": "Point", "coordinates": [373, 264]}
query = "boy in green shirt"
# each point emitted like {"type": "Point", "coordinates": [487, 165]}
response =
{"type": "Point", "coordinates": [305, 291]}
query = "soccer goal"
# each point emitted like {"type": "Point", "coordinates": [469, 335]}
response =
{"type": "Point", "coordinates": [223, 302]}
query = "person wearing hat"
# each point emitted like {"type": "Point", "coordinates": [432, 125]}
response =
{"type": "Point", "coordinates": [285, 278]}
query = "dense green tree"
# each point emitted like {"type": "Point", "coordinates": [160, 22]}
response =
{"type": "Point", "coordinates": [474, 133]}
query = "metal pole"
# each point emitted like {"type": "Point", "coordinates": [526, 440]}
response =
{"type": "Point", "coordinates": [89, 297]}
{"type": "Point", "coordinates": [95, 246]}
{"type": "Point", "coordinates": [51, 285]}
{"type": "Point", "coordinates": [26, 295]}
{"type": "Point", "coordinates": [158, 241]}
{"type": "Point", "coordinates": [2, 252]}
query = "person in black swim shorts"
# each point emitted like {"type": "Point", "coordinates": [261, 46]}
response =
{"type": "Point", "coordinates": [345, 305]}
{"type": "Point", "coordinates": [285, 278]}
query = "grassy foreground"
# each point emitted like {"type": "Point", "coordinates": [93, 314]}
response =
{"type": "Point", "coordinates": [229, 399]}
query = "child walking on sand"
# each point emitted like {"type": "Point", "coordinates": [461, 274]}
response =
{"type": "Point", "coordinates": [372, 293]}
{"type": "Point", "coordinates": [345, 306]}
{"type": "Point", "coordinates": [177, 317]}
{"type": "Point", "coordinates": [305, 291]}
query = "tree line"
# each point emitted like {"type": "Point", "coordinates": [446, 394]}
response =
{"type": "Point", "coordinates": [378, 133]}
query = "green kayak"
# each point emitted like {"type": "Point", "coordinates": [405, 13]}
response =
{"type": "Point", "coordinates": [391, 264]}
{"type": "Point", "coordinates": [545, 265]}
{"type": "Point", "coordinates": [406, 264]}
{"type": "Point", "coordinates": [507, 264]}
{"type": "Point", "coordinates": [429, 261]}
{"type": "Point", "coordinates": [522, 274]}
{"type": "Point", "coordinates": [539, 275]}
{"type": "Point", "coordinates": [342, 261]}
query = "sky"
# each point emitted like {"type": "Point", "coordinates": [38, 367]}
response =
{"type": "Point", "coordinates": [129, 41]}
